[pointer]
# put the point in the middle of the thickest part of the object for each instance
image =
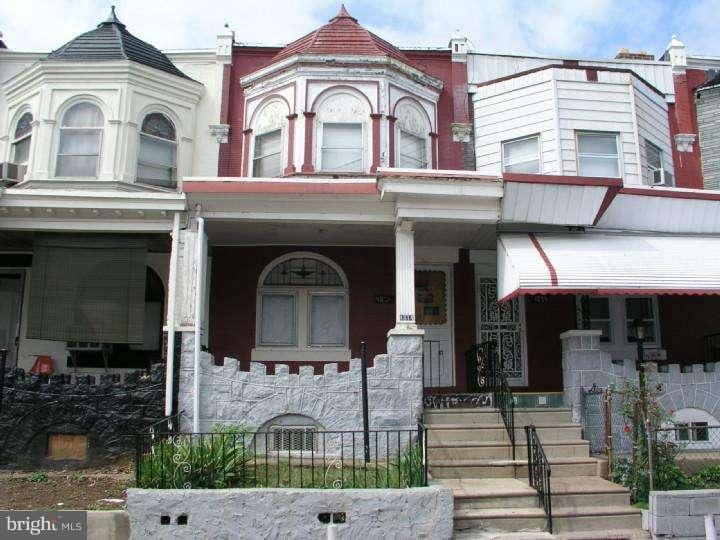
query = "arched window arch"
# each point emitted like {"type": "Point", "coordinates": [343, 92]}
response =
{"type": "Point", "coordinates": [342, 123]}
{"type": "Point", "coordinates": [21, 139]}
{"type": "Point", "coordinates": [268, 128]}
{"type": "Point", "coordinates": [302, 303]}
{"type": "Point", "coordinates": [157, 157]}
{"type": "Point", "coordinates": [81, 130]}
{"type": "Point", "coordinates": [412, 133]}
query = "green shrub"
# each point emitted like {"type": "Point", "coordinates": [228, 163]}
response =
{"type": "Point", "coordinates": [218, 460]}
{"type": "Point", "coordinates": [706, 478]}
{"type": "Point", "coordinates": [410, 466]}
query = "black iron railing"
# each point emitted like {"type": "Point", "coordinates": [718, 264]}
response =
{"type": "Point", "coordinates": [711, 344]}
{"type": "Point", "coordinates": [486, 374]}
{"type": "Point", "coordinates": [539, 472]}
{"type": "Point", "coordinates": [284, 456]}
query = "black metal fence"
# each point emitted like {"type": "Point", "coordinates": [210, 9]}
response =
{"type": "Point", "coordinates": [539, 472]}
{"type": "Point", "coordinates": [286, 456]}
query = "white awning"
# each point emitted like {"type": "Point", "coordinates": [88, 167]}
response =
{"type": "Point", "coordinates": [609, 264]}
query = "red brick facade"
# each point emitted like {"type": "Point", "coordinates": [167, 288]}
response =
{"type": "Point", "coordinates": [683, 119]}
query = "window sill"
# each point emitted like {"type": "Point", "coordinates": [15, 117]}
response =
{"type": "Point", "coordinates": [287, 354]}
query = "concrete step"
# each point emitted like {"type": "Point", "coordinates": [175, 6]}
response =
{"type": "Point", "coordinates": [491, 493]}
{"type": "Point", "coordinates": [595, 518]}
{"type": "Point", "coordinates": [499, 468]}
{"type": "Point", "coordinates": [523, 416]}
{"type": "Point", "coordinates": [444, 433]}
{"type": "Point", "coordinates": [609, 534]}
{"type": "Point", "coordinates": [502, 450]}
{"type": "Point", "coordinates": [585, 491]}
{"type": "Point", "coordinates": [500, 519]}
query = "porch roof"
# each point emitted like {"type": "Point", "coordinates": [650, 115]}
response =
{"type": "Point", "coordinates": [607, 264]}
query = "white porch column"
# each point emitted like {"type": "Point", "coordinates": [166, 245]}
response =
{"type": "Point", "coordinates": [405, 276]}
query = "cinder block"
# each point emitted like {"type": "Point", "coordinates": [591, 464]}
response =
{"type": "Point", "coordinates": [705, 505]}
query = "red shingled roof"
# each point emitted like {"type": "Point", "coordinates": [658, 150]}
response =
{"type": "Point", "coordinates": [342, 35]}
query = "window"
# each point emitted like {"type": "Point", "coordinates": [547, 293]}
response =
{"type": "Point", "coordinates": [413, 151]}
{"type": "Point", "coordinates": [656, 172]}
{"type": "Point", "coordinates": [598, 316]}
{"type": "Point", "coordinates": [302, 304]}
{"type": "Point", "coordinates": [21, 139]}
{"type": "Point", "coordinates": [597, 155]}
{"type": "Point", "coordinates": [294, 438]}
{"type": "Point", "coordinates": [158, 150]}
{"type": "Point", "coordinates": [267, 161]}
{"type": "Point", "coordinates": [342, 147]}
{"type": "Point", "coordinates": [693, 431]}
{"type": "Point", "coordinates": [80, 141]}
{"type": "Point", "coordinates": [640, 308]}
{"type": "Point", "coordinates": [522, 155]}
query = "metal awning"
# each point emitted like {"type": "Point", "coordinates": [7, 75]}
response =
{"type": "Point", "coordinates": [607, 264]}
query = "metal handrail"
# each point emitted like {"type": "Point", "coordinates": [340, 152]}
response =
{"type": "Point", "coordinates": [539, 472]}
{"type": "Point", "coordinates": [504, 401]}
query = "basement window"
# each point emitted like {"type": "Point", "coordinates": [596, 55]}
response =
{"type": "Point", "coordinates": [294, 438]}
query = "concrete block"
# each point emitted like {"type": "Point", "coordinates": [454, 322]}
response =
{"type": "Point", "coordinates": [108, 525]}
{"type": "Point", "coordinates": [702, 506]}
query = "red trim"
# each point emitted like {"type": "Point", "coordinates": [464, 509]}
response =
{"type": "Point", "coordinates": [524, 178]}
{"type": "Point", "coordinates": [433, 149]}
{"type": "Point", "coordinates": [671, 193]}
{"type": "Point", "coordinates": [290, 168]}
{"type": "Point", "coordinates": [612, 292]}
{"type": "Point", "coordinates": [545, 258]}
{"type": "Point", "coordinates": [439, 174]}
{"type": "Point", "coordinates": [375, 142]}
{"type": "Point", "coordinates": [333, 187]}
{"type": "Point", "coordinates": [391, 140]}
{"type": "Point", "coordinates": [247, 135]}
{"type": "Point", "coordinates": [610, 195]}
{"type": "Point", "coordinates": [307, 166]}
{"type": "Point", "coordinates": [591, 75]}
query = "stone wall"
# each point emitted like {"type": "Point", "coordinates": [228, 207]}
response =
{"type": "Point", "coordinates": [708, 105]}
{"type": "Point", "coordinates": [251, 398]}
{"type": "Point", "coordinates": [291, 513]}
{"type": "Point", "coordinates": [681, 514]}
{"type": "Point", "coordinates": [105, 410]}
{"type": "Point", "coordinates": [585, 365]}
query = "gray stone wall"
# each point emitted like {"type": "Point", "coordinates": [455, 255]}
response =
{"type": "Point", "coordinates": [708, 115]}
{"type": "Point", "coordinates": [291, 513]}
{"type": "Point", "coordinates": [251, 398]}
{"type": "Point", "coordinates": [681, 514]}
{"type": "Point", "coordinates": [585, 366]}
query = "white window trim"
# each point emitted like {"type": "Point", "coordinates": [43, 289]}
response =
{"type": "Point", "coordinates": [519, 139]}
{"type": "Point", "coordinates": [363, 147]}
{"type": "Point", "coordinates": [578, 154]}
{"type": "Point", "coordinates": [101, 143]}
{"type": "Point", "coordinates": [618, 322]}
{"type": "Point", "coordinates": [16, 140]}
{"type": "Point", "coordinates": [174, 142]}
{"type": "Point", "coordinates": [280, 291]}
{"type": "Point", "coordinates": [251, 172]}
{"type": "Point", "coordinates": [426, 139]}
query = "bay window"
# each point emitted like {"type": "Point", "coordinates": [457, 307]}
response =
{"type": "Point", "coordinates": [267, 159]}
{"type": "Point", "coordinates": [597, 154]}
{"type": "Point", "coordinates": [21, 139]}
{"type": "Point", "coordinates": [522, 155]}
{"type": "Point", "coordinates": [413, 151]}
{"type": "Point", "coordinates": [158, 151]}
{"type": "Point", "coordinates": [81, 130]}
{"type": "Point", "coordinates": [342, 147]}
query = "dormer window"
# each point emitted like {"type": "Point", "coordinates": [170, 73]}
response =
{"type": "Point", "coordinates": [158, 151]}
{"type": "Point", "coordinates": [267, 161]}
{"type": "Point", "coordinates": [413, 151]}
{"type": "Point", "coordinates": [80, 143]}
{"type": "Point", "coordinates": [21, 139]}
{"type": "Point", "coordinates": [342, 147]}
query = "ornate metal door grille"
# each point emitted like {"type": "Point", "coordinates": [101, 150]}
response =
{"type": "Point", "coordinates": [501, 323]}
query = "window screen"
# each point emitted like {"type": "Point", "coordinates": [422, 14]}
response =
{"type": "Point", "coordinates": [413, 151]}
{"type": "Point", "coordinates": [342, 147]}
{"type": "Point", "coordinates": [267, 161]}
{"type": "Point", "coordinates": [327, 320]}
{"type": "Point", "coordinates": [278, 325]}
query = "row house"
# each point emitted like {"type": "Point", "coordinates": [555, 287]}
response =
{"type": "Point", "coordinates": [280, 209]}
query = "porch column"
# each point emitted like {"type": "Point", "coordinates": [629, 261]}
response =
{"type": "Point", "coordinates": [290, 168]}
{"type": "Point", "coordinates": [404, 276]}
{"type": "Point", "coordinates": [307, 166]}
{"type": "Point", "coordinates": [375, 142]}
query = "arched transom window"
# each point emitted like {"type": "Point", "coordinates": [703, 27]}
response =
{"type": "Point", "coordinates": [302, 304]}
{"type": "Point", "coordinates": [80, 143]}
{"type": "Point", "coordinates": [21, 139]}
{"type": "Point", "coordinates": [158, 151]}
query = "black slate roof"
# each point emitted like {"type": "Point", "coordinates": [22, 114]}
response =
{"type": "Point", "coordinates": [111, 41]}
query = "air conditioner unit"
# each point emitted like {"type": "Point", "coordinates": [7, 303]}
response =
{"type": "Point", "coordinates": [11, 173]}
{"type": "Point", "coordinates": [661, 177]}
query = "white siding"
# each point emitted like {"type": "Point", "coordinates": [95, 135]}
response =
{"type": "Point", "coordinates": [653, 125]}
{"type": "Point", "coordinates": [515, 108]}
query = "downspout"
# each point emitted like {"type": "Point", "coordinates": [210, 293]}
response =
{"type": "Point", "coordinates": [170, 322]}
{"type": "Point", "coordinates": [200, 267]}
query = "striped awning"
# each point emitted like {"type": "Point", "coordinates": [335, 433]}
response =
{"type": "Point", "coordinates": [607, 264]}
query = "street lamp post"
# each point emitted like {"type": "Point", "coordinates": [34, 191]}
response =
{"type": "Point", "coordinates": [639, 333]}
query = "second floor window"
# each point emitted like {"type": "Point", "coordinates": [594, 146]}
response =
{"type": "Point", "coordinates": [158, 151]}
{"type": "Point", "coordinates": [656, 172]}
{"type": "Point", "coordinates": [342, 147]}
{"type": "Point", "coordinates": [80, 143]}
{"type": "Point", "coordinates": [597, 155]}
{"type": "Point", "coordinates": [267, 161]}
{"type": "Point", "coordinates": [413, 151]}
{"type": "Point", "coordinates": [522, 155]}
{"type": "Point", "coordinates": [21, 139]}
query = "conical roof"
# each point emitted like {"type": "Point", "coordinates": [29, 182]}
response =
{"type": "Point", "coordinates": [342, 35]}
{"type": "Point", "coordinates": [111, 41]}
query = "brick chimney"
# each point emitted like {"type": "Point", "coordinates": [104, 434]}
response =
{"type": "Point", "coordinates": [627, 54]}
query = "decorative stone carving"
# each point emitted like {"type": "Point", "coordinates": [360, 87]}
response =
{"type": "Point", "coordinates": [220, 132]}
{"type": "Point", "coordinates": [411, 119]}
{"type": "Point", "coordinates": [272, 116]}
{"type": "Point", "coordinates": [684, 142]}
{"type": "Point", "coordinates": [461, 132]}
{"type": "Point", "coordinates": [342, 107]}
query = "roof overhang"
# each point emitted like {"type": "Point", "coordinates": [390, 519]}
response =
{"type": "Point", "coordinates": [672, 210]}
{"type": "Point", "coordinates": [607, 264]}
{"type": "Point", "coordinates": [556, 200]}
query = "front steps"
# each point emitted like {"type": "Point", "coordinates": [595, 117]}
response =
{"type": "Point", "coordinates": [469, 450]}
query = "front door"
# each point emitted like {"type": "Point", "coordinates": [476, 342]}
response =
{"type": "Point", "coordinates": [10, 297]}
{"type": "Point", "coordinates": [502, 323]}
{"type": "Point", "coordinates": [433, 311]}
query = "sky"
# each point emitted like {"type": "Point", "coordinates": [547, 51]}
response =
{"type": "Point", "coordinates": [572, 29]}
